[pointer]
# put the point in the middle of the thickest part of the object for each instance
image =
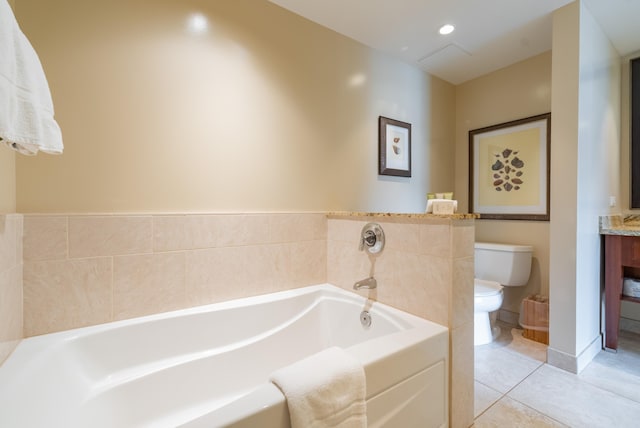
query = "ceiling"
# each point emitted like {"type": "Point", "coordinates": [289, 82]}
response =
{"type": "Point", "coordinates": [489, 35]}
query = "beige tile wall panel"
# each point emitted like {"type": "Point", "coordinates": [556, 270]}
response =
{"type": "Point", "coordinates": [435, 239]}
{"type": "Point", "coordinates": [148, 284]}
{"type": "Point", "coordinates": [215, 275]}
{"type": "Point", "coordinates": [180, 232]}
{"type": "Point", "coordinates": [297, 227]}
{"type": "Point", "coordinates": [239, 230]}
{"type": "Point", "coordinates": [11, 300]}
{"type": "Point", "coordinates": [9, 231]}
{"type": "Point", "coordinates": [308, 263]}
{"type": "Point", "coordinates": [461, 298]}
{"type": "Point", "coordinates": [91, 236]}
{"type": "Point", "coordinates": [65, 294]}
{"type": "Point", "coordinates": [427, 270]}
{"type": "Point", "coordinates": [462, 375]}
{"type": "Point", "coordinates": [11, 321]}
{"type": "Point", "coordinates": [46, 237]}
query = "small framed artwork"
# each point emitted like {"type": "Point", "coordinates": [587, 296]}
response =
{"type": "Point", "coordinates": [394, 150]}
{"type": "Point", "coordinates": [509, 169]}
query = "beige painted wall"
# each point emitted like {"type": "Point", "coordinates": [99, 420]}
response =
{"type": "Point", "coordinates": [263, 111]}
{"type": "Point", "coordinates": [520, 90]}
{"type": "Point", "coordinates": [7, 174]}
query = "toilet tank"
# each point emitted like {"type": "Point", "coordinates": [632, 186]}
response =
{"type": "Point", "coordinates": [510, 265]}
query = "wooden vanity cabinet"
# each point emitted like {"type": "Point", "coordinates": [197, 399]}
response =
{"type": "Point", "coordinates": [621, 258]}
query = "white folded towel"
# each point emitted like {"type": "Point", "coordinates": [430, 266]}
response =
{"type": "Point", "coordinates": [26, 110]}
{"type": "Point", "coordinates": [326, 389]}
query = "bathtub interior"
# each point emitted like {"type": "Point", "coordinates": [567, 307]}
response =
{"type": "Point", "coordinates": [210, 357]}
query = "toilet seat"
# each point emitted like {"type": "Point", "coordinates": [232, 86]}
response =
{"type": "Point", "coordinates": [484, 288]}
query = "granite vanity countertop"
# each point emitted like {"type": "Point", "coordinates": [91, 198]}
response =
{"type": "Point", "coordinates": [620, 225]}
{"type": "Point", "coordinates": [455, 216]}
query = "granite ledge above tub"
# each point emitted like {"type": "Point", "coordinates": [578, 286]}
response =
{"type": "Point", "coordinates": [618, 225]}
{"type": "Point", "coordinates": [402, 217]}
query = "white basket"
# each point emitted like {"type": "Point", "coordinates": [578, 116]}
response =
{"type": "Point", "coordinates": [631, 287]}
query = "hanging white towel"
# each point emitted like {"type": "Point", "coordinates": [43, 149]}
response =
{"type": "Point", "coordinates": [26, 110]}
{"type": "Point", "coordinates": [326, 389]}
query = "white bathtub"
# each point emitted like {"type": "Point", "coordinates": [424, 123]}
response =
{"type": "Point", "coordinates": [209, 366]}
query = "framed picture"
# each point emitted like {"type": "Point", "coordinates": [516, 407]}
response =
{"type": "Point", "coordinates": [509, 169]}
{"type": "Point", "coordinates": [394, 150]}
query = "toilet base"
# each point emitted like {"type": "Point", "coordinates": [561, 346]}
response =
{"type": "Point", "coordinates": [483, 332]}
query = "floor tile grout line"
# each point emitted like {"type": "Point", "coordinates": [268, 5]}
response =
{"type": "Point", "coordinates": [618, 396]}
{"type": "Point", "coordinates": [525, 378]}
{"type": "Point", "coordinates": [505, 394]}
{"type": "Point", "coordinates": [592, 383]}
{"type": "Point", "coordinates": [493, 403]}
{"type": "Point", "coordinates": [488, 386]}
{"type": "Point", "coordinates": [538, 411]}
{"type": "Point", "coordinates": [539, 364]}
{"type": "Point", "coordinates": [622, 397]}
{"type": "Point", "coordinates": [526, 357]}
{"type": "Point", "coordinates": [490, 406]}
{"type": "Point", "coordinates": [608, 390]}
{"type": "Point", "coordinates": [527, 405]}
{"type": "Point", "coordinates": [528, 354]}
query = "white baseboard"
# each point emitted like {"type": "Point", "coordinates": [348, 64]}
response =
{"type": "Point", "coordinates": [572, 363]}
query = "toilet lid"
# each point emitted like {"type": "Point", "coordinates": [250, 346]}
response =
{"type": "Point", "coordinates": [484, 288]}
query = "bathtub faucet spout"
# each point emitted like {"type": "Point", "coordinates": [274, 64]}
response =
{"type": "Point", "coordinates": [367, 283]}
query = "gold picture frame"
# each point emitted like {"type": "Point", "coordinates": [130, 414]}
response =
{"type": "Point", "coordinates": [509, 169]}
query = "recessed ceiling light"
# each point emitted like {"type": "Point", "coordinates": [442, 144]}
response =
{"type": "Point", "coordinates": [197, 23]}
{"type": "Point", "coordinates": [446, 29]}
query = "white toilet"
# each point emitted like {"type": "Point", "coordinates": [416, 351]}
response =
{"type": "Point", "coordinates": [496, 265]}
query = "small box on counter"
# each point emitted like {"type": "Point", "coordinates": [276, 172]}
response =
{"type": "Point", "coordinates": [442, 206]}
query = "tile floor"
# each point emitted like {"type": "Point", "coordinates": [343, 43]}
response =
{"type": "Point", "coordinates": [515, 388]}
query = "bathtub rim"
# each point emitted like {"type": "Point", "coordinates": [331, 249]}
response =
{"type": "Point", "coordinates": [224, 305]}
{"type": "Point", "coordinates": [372, 352]}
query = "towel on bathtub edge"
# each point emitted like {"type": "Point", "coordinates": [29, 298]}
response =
{"type": "Point", "coordinates": [326, 389]}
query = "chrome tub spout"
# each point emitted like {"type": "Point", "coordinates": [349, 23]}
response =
{"type": "Point", "coordinates": [368, 283]}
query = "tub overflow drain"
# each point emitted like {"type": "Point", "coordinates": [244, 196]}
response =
{"type": "Point", "coordinates": [365, 318]}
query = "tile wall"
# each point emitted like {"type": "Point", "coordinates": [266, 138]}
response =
{"type": "Point", "coordinates": [81, 270]}
{"type": "Point", "coordinates": [426, 269]}
{"type": "Point", "coordinates": [10, 283]}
